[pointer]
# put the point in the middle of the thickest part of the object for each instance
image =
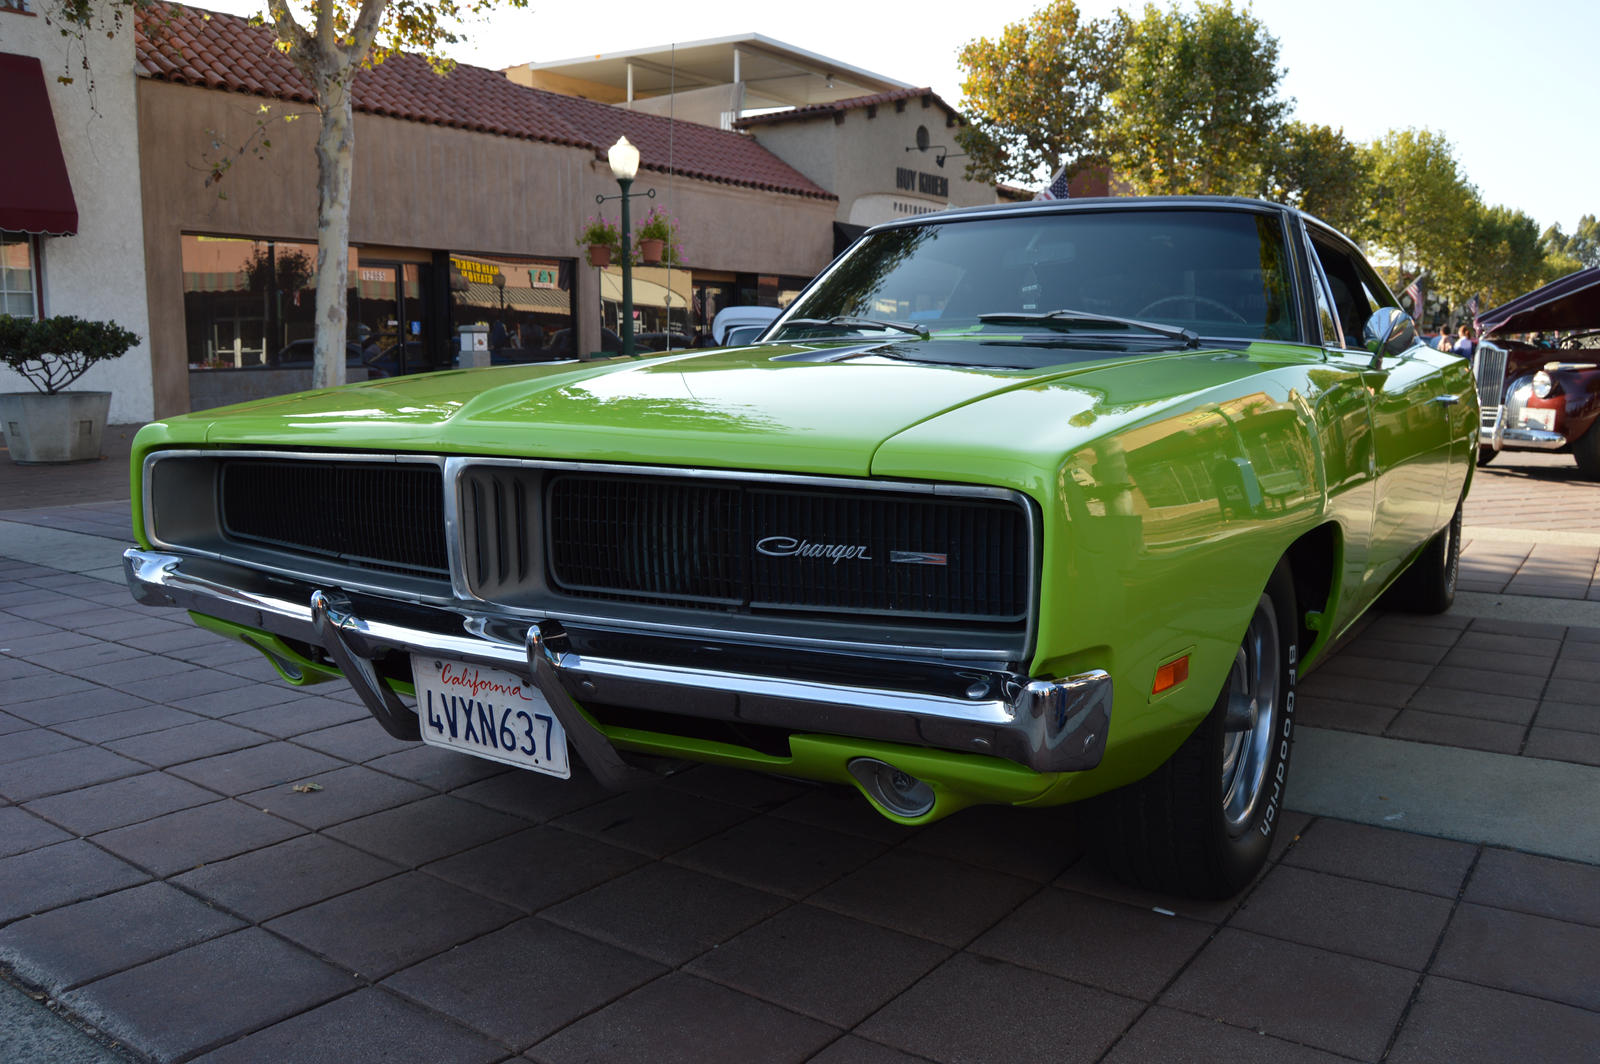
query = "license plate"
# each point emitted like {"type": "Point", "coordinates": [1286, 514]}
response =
{"type": "Point", "coordinates": [489, 713]}
{"type": "Point", "coordinates": [1539, 419]}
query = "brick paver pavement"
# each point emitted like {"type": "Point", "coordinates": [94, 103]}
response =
{"type": "Point", "coordinates": [168, 875]}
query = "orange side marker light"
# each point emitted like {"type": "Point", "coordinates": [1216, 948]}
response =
{"type": "Point", "coordinates": [1171, 674]}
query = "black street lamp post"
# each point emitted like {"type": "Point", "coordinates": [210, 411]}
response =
{"type": "Point", "coordinates": [624, 159]}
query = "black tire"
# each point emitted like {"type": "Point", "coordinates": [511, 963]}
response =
{"type": "Point", "coordinates": [1202, 824]}
{"type": "Point", "coordinates": [1429, 585]}
{"type": "Point", "coordinates": [1587, 451]}
{"type": "Point", "coordinates": [1487, 455]}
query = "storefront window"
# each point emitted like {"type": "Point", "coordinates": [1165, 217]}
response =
{"type": "Point", "coordinates": [18, 287]}
{"type": "Point", "coordinates": [251, 303]}
{"type": "Point", "coordinates": [526, 303]}
{"type": "Point", "coordinates": [661, 304]}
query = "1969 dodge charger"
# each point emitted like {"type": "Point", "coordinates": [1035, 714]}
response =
{"type": "Point", "coordinates": [1024, 504]}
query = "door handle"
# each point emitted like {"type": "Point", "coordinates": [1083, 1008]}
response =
{"type": "Point", "coordinates": [1447, 400]}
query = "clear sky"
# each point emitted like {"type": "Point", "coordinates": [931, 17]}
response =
{"type": "Point", "coordinates": [1510, 84]}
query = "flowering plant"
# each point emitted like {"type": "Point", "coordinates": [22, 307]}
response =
{"type": "Point", "coordinates": [601, 232]}
{"type": "Point", "coordinates": [656, 225]}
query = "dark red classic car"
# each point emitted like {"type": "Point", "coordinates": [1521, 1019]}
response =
{"type": "Point", "coordinates": [1537, 398]}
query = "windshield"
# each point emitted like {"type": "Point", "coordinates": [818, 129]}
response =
{"type": "Point", "coordinates": [1219, 273]}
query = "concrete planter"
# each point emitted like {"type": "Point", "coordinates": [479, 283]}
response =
{"type": "Point", "coordinates": [64, 427]}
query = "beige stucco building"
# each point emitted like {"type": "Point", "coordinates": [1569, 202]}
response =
{"type": "Point", "coordinates": [196, 183]}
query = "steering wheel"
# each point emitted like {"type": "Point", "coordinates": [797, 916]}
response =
{"type": "Point", "coordinates": [1233, 315]}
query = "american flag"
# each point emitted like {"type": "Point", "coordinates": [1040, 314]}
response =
{"type": "Point", "coordinates": [1472, 309]}
{"type": "Point", "coordinates": [1057, 189]}
{"type": "Point", "coordinates": [1414, 290]}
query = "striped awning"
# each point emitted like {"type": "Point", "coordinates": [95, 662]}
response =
{"type": "Point", "coordinates": [541, 300]}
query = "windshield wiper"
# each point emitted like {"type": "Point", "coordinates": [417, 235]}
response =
{"type": "Point", "coordinates": [1072, 318]}
{"type": "Point", "coordinates": [848, 321]}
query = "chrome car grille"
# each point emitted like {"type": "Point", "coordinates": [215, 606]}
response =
{"type": "Point", "coordinates": [1489, 371]}
{"type": "Point", "coordinates": [746, 545]}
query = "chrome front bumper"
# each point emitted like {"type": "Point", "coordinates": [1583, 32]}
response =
{"type": "Point", "coordinates": [1048, 725]}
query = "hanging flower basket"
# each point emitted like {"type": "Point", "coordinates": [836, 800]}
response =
{"type": "Point", "coordinates": [658, 239]}
{"type": "Point", "coordinates": [603, 239]}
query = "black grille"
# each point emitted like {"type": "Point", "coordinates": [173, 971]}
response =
{"type": "Point", "coordinates": [731, 545]}
{"type": "Point", "coordinates": [375, 515]}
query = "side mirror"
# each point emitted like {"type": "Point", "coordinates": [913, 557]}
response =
{"type": "Point", "coordinates": [1389, 331]}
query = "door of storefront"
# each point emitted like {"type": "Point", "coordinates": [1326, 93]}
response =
{"type": "Point", "coordinates": [390, 319]}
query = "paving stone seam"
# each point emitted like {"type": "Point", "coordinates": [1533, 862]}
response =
{"type": "Point", "coordinates": [114, 1047]}
{"type": "Point", "coordinates": [1239, 901]}
{"type": "Point", "coordinates": [1544, 689]}
{"type": "Point", "coordinates": [1433, 955]}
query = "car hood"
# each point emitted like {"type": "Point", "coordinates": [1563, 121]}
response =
{"type": "Point", "coordinates": [823, 409]}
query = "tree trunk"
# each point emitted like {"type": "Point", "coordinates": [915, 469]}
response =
{"type": "Point", "coordinates": [335, 150]}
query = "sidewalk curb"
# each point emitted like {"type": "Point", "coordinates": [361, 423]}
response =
{"type": "Point", "coordinates": [1521, 803]}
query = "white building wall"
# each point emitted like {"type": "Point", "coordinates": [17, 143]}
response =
{"type": "Point", "coordinates": [100, 272]}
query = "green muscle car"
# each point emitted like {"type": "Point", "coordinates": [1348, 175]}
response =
{"type": "Point", "coordinates": [1022, 504]}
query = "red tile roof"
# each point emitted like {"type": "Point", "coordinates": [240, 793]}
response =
{"type": "Point", "coordinates": [856, 103]}
{"type": "Point", "coordinates": [189, 46]}
{"type": "Point", "coordinates": [693, 150]}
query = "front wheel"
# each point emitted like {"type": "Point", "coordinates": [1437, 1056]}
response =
{"type": "Point", "coordinates": [1587, 451]}
{"type": "Point", "coordinates": [1202, 824]}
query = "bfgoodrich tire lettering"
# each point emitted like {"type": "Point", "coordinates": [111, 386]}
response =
{"type": "Point", "coordinates": [1203, 823]}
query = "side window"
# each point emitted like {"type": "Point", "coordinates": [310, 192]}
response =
{"type": "Point", "coordinates": [1349, 301]}
{"type": "Point", "coordinates": [1325, 319]}
{"type": "Point", "coordinates": [18, 276]}
{"type": "Point", "coordinates": [1356, 290]}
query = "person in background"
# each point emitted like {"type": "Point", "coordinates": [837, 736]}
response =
{"type": "Point", "coordinates": [1445, 343]}
{"type": "Point", "coordinates": [1464, 344]}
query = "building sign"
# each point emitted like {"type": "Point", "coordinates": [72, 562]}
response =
{"type": "Point", "coordinates": [477, 272]}
{"type": "Point", "coordinates": [909, 180]}
{"type": "Point", "coordinates": [542, 277]}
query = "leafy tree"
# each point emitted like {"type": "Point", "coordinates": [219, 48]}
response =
{"type": "Point", "coordinates": [1316, 169]}
{"type": "Point", "coordinates": [329, 41]}
{"type": "Point", "coordinates": [1422, 207]}
{"type": "Point", "coordinates": [1582, 247]}
{"type": "Point", "coordinates": [1036, 95]}
{"type": "Point", "coordinates": [1196, 109]}
{"type": "Point", "coordinates": [1501, 257]}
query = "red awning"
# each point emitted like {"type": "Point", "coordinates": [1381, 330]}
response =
{"type": "Point", "coordinates": [35, 192]}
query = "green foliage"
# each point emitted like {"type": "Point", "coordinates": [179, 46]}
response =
{"type": "Point", "coordinates": [1581, 248]}
{"type": "Point", "coordinates": [658, 225]}
{"type": "Point", "coordinates": [54, 352]}
{"type": "Point", "coordinates": [1197, 108]}
{"type": "Point", "coordinates": [1423, 209]}
{"type": "Point", "coordinates": [1501, 257]}
{"type": "Point", "coordinates": [1316, 169]}
{"type": "Point", "coordinates": [1037, 95]}
{"type": "Point", "coordinates": [600, 231]}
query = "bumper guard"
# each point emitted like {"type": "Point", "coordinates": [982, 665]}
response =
{"type": "Point", "coordinates": [1048, 725]}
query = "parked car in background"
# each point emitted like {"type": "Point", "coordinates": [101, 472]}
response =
{"type": "Point", "coordinates": [1541, 398]}
{"type": "Point", "coordinates": [1022, 504]}
{"type": "Point", "coordinates": [740, 325]}
{"type": "Point", "coordinates": [300, 354]}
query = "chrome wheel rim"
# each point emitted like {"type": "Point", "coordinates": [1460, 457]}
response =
{"type": "Point", "coordinates": [1252, 712]}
